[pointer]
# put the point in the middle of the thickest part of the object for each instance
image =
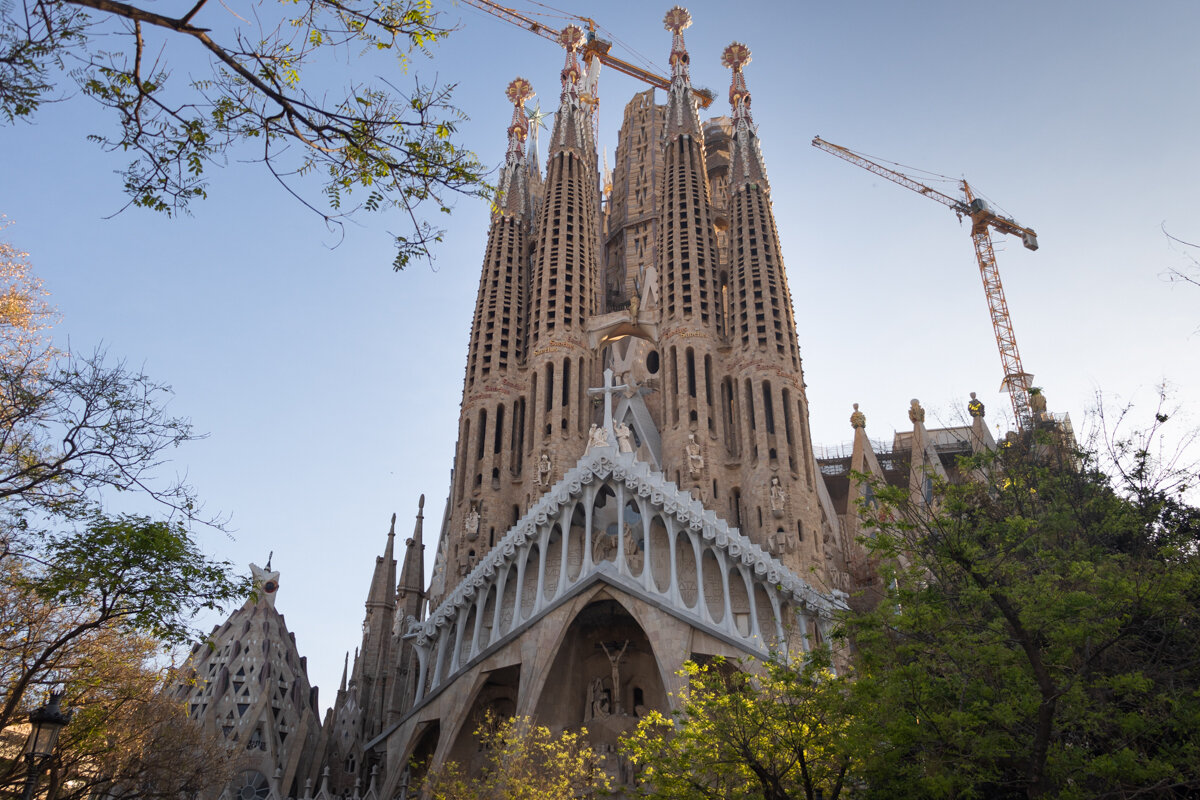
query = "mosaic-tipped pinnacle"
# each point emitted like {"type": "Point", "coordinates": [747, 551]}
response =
{"type": "Point", "coordinates": [677, 19]}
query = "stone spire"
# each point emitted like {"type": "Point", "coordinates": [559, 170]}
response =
{"type": "Point", "coordinates": [410, 601]}
{"type": "Point", "coordinates": [489, 463]}
{"type": "Point", "coordinates": [681, 106]}
{"type": "Point", "coordinates": [748, 164]}
{"type": "Point", "coordinates": [513, 192]}
{"type": "Point", "coordinates": [688, 293]}
{"type": "Point", "coordinates": [573, 123]}
{"type": "Point", "coordinates": [410, 594]}
{"type": "Point", "coordinates": [553, 417]}
{"type": "Point", "coordinates": [773, 437]}
{"type": "Point", "coordinates": [384, 577]}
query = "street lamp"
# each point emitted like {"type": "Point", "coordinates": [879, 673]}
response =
{"type": "Point", "coordinates": [47, 722]}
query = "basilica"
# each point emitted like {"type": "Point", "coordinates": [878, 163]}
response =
{"type": "Point", "coordinates": [634, 481]}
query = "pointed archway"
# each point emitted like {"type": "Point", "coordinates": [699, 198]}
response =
{"type": "Point", "coordinates": [605, 678]}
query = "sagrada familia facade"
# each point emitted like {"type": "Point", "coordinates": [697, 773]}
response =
{"type": "Point", "coordinates": [634, 482]}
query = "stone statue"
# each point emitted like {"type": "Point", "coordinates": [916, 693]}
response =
{"type": "Point", "coordinates": [543, 469]}
{"type": "Point", "coordinates": [597, 699]}
{"type": "Point", "coordinates": [624, 438]}
{"type": "Point", "coordinates": [694, 456]}
{"type": "Point", "coordinates": [597, 437]}
{"type": "Point", "coordinates": [615, 660]}
{"type": "Point", "coordinates": [471, 523]}
{"type": "Point", "coordinates": [916, 413]}
{"type": "Point", "coordinates": [635, 303]}
{"type": "Point", "coordinates": [858, 419]}
{"type": "Point", "coordinates": [975, 407]}
{"type": "Point", "coordinates": [632, 554]}
{"type": "Point", "coordinates": [604, 547]}
{"type": "Point", "coordinates": [778, 496]}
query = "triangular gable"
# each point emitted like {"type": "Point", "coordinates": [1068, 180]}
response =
{"type": "Point", "coordinates": [654, 540]}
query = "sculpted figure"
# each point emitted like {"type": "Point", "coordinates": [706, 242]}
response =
{"type": "Point", "coordinates": [604, 547]}
{"type": "Point", "coordinates": [632, 554]}
{"type": "Point", "coordinates": [694, 456]}
{"type": "Point", "coordinates": [778, 495]}
{"type": "Point", "coordinates": [597, 437]}
{"type": "Point", "coordinates": [975, 407]}
{"type": "Point", "coordinates": [471, 523]}
{"type": "Point", "coordinates": [915, 412]}
{"type": "Point", "coordinates": [624, 438]}
{"type": "Point", "coordinates": [543, 470]}
{"type": "Point", "coordinates": [859, 419]}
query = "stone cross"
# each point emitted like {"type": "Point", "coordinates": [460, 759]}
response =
{"type": "Point", "coordinates": [608, 391]}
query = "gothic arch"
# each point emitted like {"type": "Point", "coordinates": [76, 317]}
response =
{"type": "Point", "coordinates": [583, 692]}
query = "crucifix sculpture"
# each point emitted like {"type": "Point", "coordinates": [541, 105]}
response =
{"type": "Point", "coordinates": [615, 660]}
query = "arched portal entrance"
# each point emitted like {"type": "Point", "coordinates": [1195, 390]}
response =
{"type": "Point", "coordinates": [605, 678]}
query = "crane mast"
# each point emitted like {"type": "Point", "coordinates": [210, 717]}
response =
{"type": "Point", "coordinates": [1017, 382]}
{"type": "Point", "coordinates": [595, 47]}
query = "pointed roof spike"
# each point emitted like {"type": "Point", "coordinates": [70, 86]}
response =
{"type": "Point", "coordinates": [345, 672]}
{"type": "Point", "coordinates": [412, 573]}
{"type": "Point", "coordinates": [736, 56]}
{"type": "Point", "coordinates": [385, 572]}
{"type": "Point", "coordinates": [676, 20]}
{"type": "Point", "coordinates": [518, 91]}
{"type": "Point", "coordinates": [746, 166]}
{"type": "Point", "coordinates": [571, 38]}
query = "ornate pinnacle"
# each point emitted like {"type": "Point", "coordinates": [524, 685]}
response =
{"type": "Point", "coordinates": [736, 56]}
{"type": "Point", "coordinates": [518, 92]}
{"type": "Point", "coordinates": [676, 20]}
{"type": "Point", "coordinates": [571, 38]}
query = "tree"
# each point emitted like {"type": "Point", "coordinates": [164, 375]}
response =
{"type": "Point", "coordinates": [771, 731]}
{"type": "Point", "coordinates": [260, 100]}
{"type": "Point", "coordinates": [89, 597]}
{"type": "Point", "coordinates": [1039, 634]}
{"type": "Point", "coordinates": [24, 313]}
{"type": "Point", "coordinates": [126, 738]}
{"type": "Point", "coordinates": [524, 761]}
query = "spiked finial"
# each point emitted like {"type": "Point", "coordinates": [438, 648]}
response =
{"type": "Point", "coordinates": [676, 20]}
{"type": "Point", "coordinates": [517, 93]}
{"type": "Point", "coordinates": [571, 38]}
{"type": "Point", "coordinates": [736, 56]}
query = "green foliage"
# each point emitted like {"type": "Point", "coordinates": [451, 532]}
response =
{"type": "Point", "coordinates": [135, 573]}
{"type": "Point", "coordinates": [126, 737]}
{"type": "Point", "coordinates": [89, 598]}
{"type": "Point", "coordinates": [748, 731]}
{"type": "Point", "coordinates": [524, 762]}
{"type": "Point", "coordinates": [1038, 638]}
{"type": "Point", "coordinates": [265, 91]}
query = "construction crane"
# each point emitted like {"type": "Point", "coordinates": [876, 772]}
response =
{"type": "Point", "coordinates": [983, 219]}
{"type": "Point", "coordinates": [595, 47]}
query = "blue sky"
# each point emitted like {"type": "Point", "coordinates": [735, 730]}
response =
{"type": "Point", "coordinates": [329, 385]}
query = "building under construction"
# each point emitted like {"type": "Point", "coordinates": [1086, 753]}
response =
{"type": "Point", "coordinates": [634, 480]}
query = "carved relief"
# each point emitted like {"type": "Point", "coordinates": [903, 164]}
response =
{"type": "Point", "coordinates": [695, 456]}
{"type": "Point", "coordinates": [778, 497]}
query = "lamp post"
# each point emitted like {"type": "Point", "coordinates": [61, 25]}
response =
{"type": "Point", "coordinates": [47, 722]}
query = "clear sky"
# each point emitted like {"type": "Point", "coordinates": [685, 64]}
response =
{"type": "Point", "coordinates": [329, 386]}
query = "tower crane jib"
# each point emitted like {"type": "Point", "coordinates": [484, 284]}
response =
{"type": "Point", "coordinates": [1017, 382]}
{"type": "Point", "coordinates": [595, 47]}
